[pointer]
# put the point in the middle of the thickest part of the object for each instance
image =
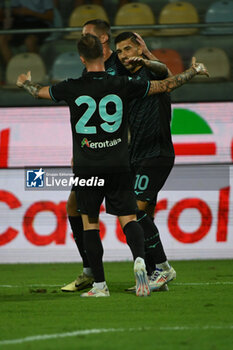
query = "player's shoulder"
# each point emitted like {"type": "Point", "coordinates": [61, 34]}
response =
{"type": "Point", "coordinates": [119, 80]}
{"type": "Point", "coordinates": [145, 73]}
{"type": "Point", "coordinates": [113, 65]}
{"type": "Point", "coordinates": [67, 81]}
{"type": "Point", "coordinates": [73, 81]}
{"type": "Point", "coordinates": [66, 86]}
{"type": "Point", "coordinates": [113, 59]}
{"type": "Point", "coordinates": [153, 75]}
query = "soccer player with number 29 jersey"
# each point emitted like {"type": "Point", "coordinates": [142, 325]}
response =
{"type": "Point", "coordinates": [98, 110]}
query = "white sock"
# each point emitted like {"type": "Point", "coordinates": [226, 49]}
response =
{"type": "Point", "coordinates": [140, 260]}
{"type": "Point", "coordinates": [87, 271]}
{"type": "Point", "coordinates": [100, 285]}
{"type": "Point", "coordinates": [163, 266]}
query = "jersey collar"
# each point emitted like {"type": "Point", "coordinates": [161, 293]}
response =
{"type": "Point", "coordinates": [96, 74]}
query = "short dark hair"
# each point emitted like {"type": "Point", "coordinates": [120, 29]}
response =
{"type": "Point", "coordinates": [101, 26]}
{"type": "Point", "coordinates": [126, 35]}
{"type": "Point", "coordinates": [89, 46]}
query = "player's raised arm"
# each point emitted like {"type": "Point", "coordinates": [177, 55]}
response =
{"type": "Point", "coordinates": [171, 83]}
{"type": "Point", "coordinates": [146, 52]}
{"type": "Point", "coordinates": [154, 64]}
{"type": "Point", "coordinates": [36, 90]}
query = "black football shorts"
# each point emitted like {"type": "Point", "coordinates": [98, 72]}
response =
{"type": "Point", "coordinates": [149, 177]}
{"type": "Point", "coordinates": [117, 192]}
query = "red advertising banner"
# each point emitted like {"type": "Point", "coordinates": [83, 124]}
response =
{"type": "Point", "coordinates": [202, 133]}
{"type": "Point", "coordinates": [195, 222]}
{"type": "Point", "coordinates": [34, 227]}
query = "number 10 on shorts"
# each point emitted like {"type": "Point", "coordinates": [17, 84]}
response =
{"type": "Point", "coordinates": [141, 182]}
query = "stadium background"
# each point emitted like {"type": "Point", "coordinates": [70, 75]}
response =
{"type": "Point", "coordinates": [195, 219]}
{"type": "Point", "coordinates": [194, 212]}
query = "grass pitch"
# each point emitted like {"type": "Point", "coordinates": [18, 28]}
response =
{"type": "Point", "coordinates": [196, 313]}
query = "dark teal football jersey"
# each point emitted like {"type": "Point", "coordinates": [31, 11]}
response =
{"type": "Point", "coordinates": [149, 123]}
{"type": "Point", "coordinates": [98, 104]}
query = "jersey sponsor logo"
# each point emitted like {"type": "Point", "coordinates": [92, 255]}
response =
{"type": "Point", "coordinates": [103, 144]}
{"type": "Point", "coordinates": [85, 142]}
{"type": "Point", "coordinates": [111, 71]}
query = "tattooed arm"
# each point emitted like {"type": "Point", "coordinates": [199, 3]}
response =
{"type": "Point", "coordinates": [36, 90]}
{"type": "Point", "coordinates": [171, 83]}
{"type": "Point", "coordinates": [157, 67]}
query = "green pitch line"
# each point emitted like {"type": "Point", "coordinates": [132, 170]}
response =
{"type": "Point", "coordinates": [196, 313]}
{"type": "Point", "coordinates": [110, 330]}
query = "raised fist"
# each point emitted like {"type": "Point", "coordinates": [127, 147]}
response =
{"type": "Point", "coordinates": [199, 67]}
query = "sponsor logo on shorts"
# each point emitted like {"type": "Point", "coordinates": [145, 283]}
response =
{"type": "Point", "coordinates": [102, 144]}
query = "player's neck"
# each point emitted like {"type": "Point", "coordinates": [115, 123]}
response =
{"type": "Point", "coordinates": [107, 52]}
{"type": "Point", "coordinates": [95, 67]}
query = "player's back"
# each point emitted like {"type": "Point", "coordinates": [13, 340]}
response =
{"type": "Point", "coordinates": [98, 108]}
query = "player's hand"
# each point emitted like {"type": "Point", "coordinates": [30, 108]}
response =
{"type": "Point", "coordinates": [22, 78]}
{"type": "Point", "coordinates": [136, 61]}
{"type": "Point", "coordinates": [141, 42]}
{"type": "Point", "coordinates": [199, 67]}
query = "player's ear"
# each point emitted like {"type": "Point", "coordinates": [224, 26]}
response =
{"type": "Point", "coordinates": [83, 60]}
{"type": "Point", "coordinates": [103, 38]}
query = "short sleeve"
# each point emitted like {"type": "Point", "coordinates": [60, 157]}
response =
{"type": "Point", "coordinates": [58, 92]}
{"type": "Point", "coordinates": [136, 88]}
